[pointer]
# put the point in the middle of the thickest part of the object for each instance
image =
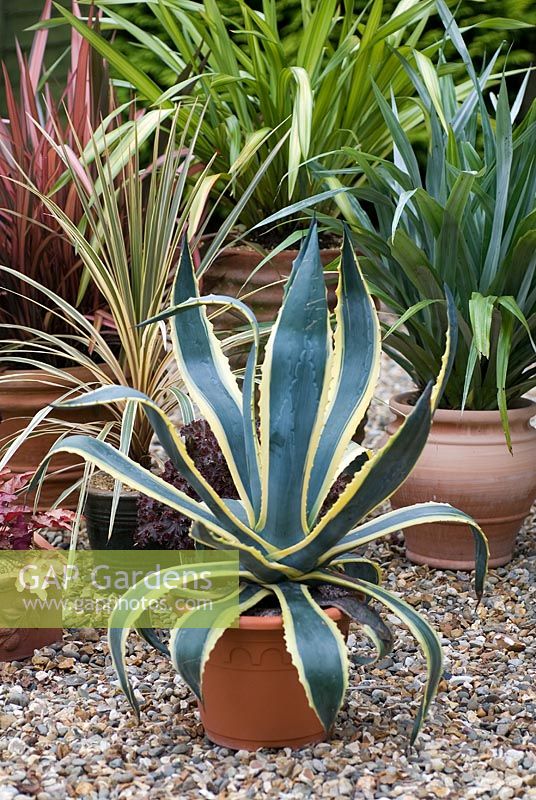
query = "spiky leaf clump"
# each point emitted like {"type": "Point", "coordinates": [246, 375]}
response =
{"type": "Point", "coordinates": [284, 456]}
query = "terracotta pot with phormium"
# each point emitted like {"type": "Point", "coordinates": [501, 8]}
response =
{"type": "Point", "coordinates": [466, 463]}
{"type": "Point", "coordinates": [252, 696]}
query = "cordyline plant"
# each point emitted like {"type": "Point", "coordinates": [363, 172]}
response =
{"type": "Point", "coordinates": [258, 83]}
{"type": "Point", "coordinates": [129, 248]}
{"type": "Point", "coordinates": [469, 223]}
{"type": "Point", "coordinates": [31, 240]}
{"type": "Point", "coordinates": [315, 387]}
{"type": "Point", "coordinates": [18, 524]}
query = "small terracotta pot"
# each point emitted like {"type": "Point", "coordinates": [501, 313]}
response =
{"type": "Point", "coordinates": [252, 695]}
{"type": "Point", "coordinates": [466, 463]}
{"type": "Point", "coordinates": [19, 643]}
{"type": "Point", "coordinates": [97, 511]}
{"type": "Point", "coordinates": [232, 268]}
{"type": "Point", "coordinates": [20, 399]}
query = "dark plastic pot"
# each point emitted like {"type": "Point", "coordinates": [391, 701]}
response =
{"type": "Point", "coordinates": [97, 512]}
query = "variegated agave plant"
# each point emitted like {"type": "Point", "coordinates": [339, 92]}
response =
{"type": "Point", "coordinates": [315, 387]}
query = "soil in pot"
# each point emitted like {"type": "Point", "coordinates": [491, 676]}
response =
{"type": "Point", "coordinates": [251, 692]}
{"type": "Point", "coordinates": [97, 511]}
{"type": "Point", "coordinates": [20, 400]}
{"type": "Point", "coordinates": [466, 463]}
{"type": "Point", "coordinates": [19, 643]}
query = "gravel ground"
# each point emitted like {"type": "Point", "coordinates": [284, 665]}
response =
{"type": "Point", "coordinates": [66, 730]}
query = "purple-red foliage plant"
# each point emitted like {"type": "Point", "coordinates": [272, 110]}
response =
{"type": "Point", "coordinates": [18, 523]}
{"type": "Point", "coordinates": [45, 124]}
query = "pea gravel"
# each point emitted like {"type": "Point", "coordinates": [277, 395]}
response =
{"type": "Point", "coordinates": [66, 729]}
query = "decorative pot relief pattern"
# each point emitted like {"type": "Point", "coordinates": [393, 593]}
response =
{"type": "Point", "coordinates": [11, 638]}
{"type": "Point", "coordinates": [260, 657]}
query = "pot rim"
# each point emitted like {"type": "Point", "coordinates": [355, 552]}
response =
{"type": "Point", "coordinates": [525, 410]}
{"type": "Point", "coordinates": [248, 248]}
{"type": "Point", "coordinates": [95, 490]}
{"type": "Point", "coordinates": [275, 622]}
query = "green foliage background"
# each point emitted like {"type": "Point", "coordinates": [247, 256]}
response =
{"type": "Point", "coordinates": [519, 44]}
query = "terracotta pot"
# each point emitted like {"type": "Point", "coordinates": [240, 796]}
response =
{"type": "Point", "coordinates": [97, 513]}
{"type": "Point", "coordinates": [466, 463]}
{"type": "Point", "coordinates": [20, 399]}
{"type": "Point", "coordinates": [232, 268]}
{"type": "Point", "coordinates": [252, 695]}
{"type": "Point", "coordinates": [19, 643]}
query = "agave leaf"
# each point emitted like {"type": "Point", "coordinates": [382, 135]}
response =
{"type": "Point", "coordinates": [127, 429]}
{"type": "Point", "coordinates": [152, 638]}
{"type": "Point", "coordinates": [191, 647]}
{"type": "Point", "coordinates": [421, 630]}
{"type": "Point", "coordinates": [257, 566]}
{"type": "Point", "coordinates": [125, 615]}
{"type": "Point", "coordinates": [208, 376]}
{"type": "Point", "coordinates": [169, 438]}
{"type": "Point", "coordinates": [308, 632]}
{"type": "Point", "coordinates": [354, 374]}
{"type": "Point", "coordinates": [294, 377]}
{"type": "Point", "coordinates": [359, 567]}
{"type": "Point", "coordinates": [375, 482]}
{"type": "Point", "coordinates": [120, 467]}
{"type": "Point", "coordinates": [249, 412]}
{"type": "Point", "coordinates": [369, 622]}
{"type": "Point", "coordinates": [418, 514]}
